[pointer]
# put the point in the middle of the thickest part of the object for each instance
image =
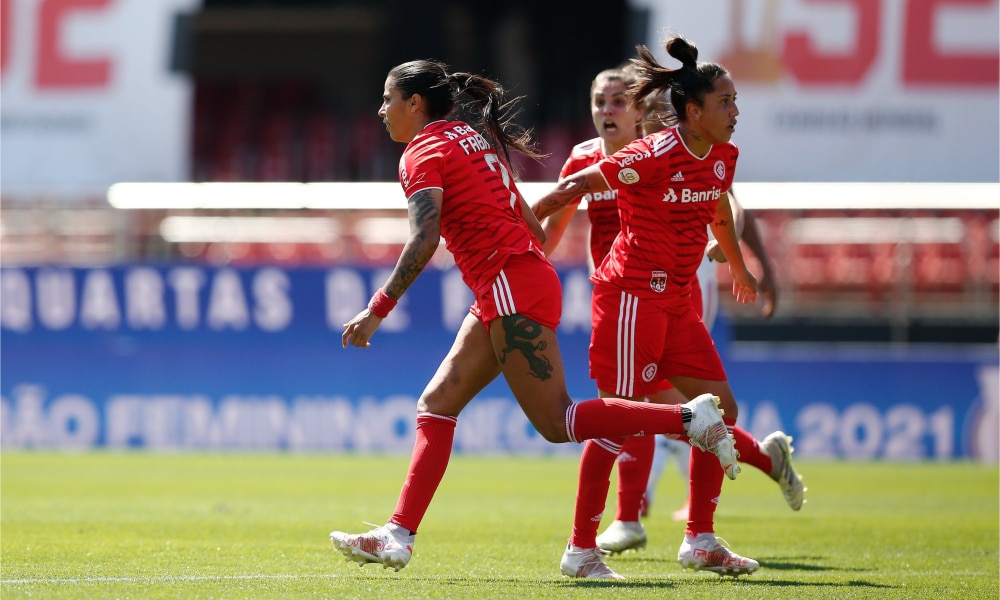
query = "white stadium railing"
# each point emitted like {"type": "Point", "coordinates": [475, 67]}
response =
{"type": "Point", "coordinates": [389, 195]}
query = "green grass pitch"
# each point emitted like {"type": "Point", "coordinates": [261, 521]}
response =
{"type": "Point", "coordinates": [228, 525]}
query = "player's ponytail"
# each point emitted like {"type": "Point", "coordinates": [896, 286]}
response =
{"type": "Point", "coordinates": [684, 51]}
{"type": "Point", "coordinates": [685, 84]}
{"type": "Point", "coordinates": [496, 114]}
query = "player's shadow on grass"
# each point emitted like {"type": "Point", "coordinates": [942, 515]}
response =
{"type": "Point", "coordinates": [609, 583]}
{"type": "Point", "coordinates": [742, 580]}
{"type": "Point", "coordinates": [783, 563]}
{"type": "Point", "coordinates": [638, 583]}
{"type": "Point", "coordinates": [853, 584]}
{"type": "Point", "coordinates": [515, 583]}
{"type": "Point", "coordinates": [794, 563]}
{"type": "Point", "coordinates": [790, 564]}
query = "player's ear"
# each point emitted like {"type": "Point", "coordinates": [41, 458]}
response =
{"type": "Point", "coordinates": [693, 111]}
{"type": "Point", "coordinates": [415, 102]}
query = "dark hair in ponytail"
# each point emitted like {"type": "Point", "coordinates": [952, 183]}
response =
{"type": "Point", "coordinates": [688, 83]}
{"type": "Point", "coordinates": [442, 93]}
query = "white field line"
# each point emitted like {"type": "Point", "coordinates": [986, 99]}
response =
{"type": "Point", "coordinates": [163, 579]}
{"type": "Point", "coordinates": [847, 577]}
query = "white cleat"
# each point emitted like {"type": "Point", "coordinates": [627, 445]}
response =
{"type": "Point", "coordinates": [708, 432]}
{"type": "Point", "coordinates": [388, 545]}
{"type": "Point", "coordinates": [621, 536]}
{"type": "Point", "coordinates": [704, 553]}
{"type": "Point", "coordinates": [588, 563]}
{"type": "Point", "coordinates": [779, 447]}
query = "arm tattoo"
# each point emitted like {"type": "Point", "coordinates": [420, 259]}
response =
{"type": "Point", "coordinates": [721, 223]}
{"type": "Point", "coordinates": [422, 209]}
{"type": "Point", "coordinates": [425, 235]}
{"type": "Point", "coordinates": [521, 334]}
{"type": "Point", "coordinates": [565, 192]}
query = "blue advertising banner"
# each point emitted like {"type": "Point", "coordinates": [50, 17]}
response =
{"type": "Point", "coordinates": [168, 357]}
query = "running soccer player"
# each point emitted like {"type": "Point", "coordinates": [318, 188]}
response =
{"type": "Point", "coordinates": [459, 187]}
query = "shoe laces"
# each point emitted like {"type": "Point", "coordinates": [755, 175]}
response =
{"type": "Point", "coordinates": [380, 532]}
{"type": "Point", "coordinates": [374, 527]}
{"type": "Point", "coordinates": [716, 433]}
{"type": "Point", "coordinates": [721, 554]}
{"type": "Point", "coordinates": [592, 561]}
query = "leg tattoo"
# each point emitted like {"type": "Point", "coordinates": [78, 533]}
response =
{"type": "Point", "coordinates": [520, 333]}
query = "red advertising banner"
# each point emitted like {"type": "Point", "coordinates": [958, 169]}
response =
{"type": "Point", "coordinates": [852, 90]}
{"type": "Point", "coordinates": [88, 97]}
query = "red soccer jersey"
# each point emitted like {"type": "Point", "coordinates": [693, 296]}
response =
{"type": "Point", "coordinates": [481, 220]}
{"type": "Point", "coordinates": [671, 196]}
{"type": "Point", "coordinates": [602, 207]}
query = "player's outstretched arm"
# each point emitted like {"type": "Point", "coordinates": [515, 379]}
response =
{"type": "Point", "coordinates": [766, 283]}
{"type": "Point", "coordinates": [582, 182]}
{"type": "Point", "coordinates": [424, 208]}
{"type": "Point", "coordinates": [724, 230]}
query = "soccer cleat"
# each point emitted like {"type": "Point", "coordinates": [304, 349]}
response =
{"type": "Point", "coordinates": [779, 447]}
{"type": "Point", "coordinates": [621, 536]}
{"type": "Point", "coordinates": [704, 553]}
{"type": "Point", "coordinates": [588, 563]}
{"type": "Point", "coordinates": [388, 545]}
{"type": "Point", "coordinates": [707, 432]}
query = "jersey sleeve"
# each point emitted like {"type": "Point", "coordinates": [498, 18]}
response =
{"type": "Point", "coordinates": [421, 168]}
{"type": "Point", "coordinates": [568, 168]}
{"type": "Point", "coordinates": [731, 170]}
{"type": "Point", "coordinates": [629, 166]}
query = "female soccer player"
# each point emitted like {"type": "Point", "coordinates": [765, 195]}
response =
{"type": "Point", "coordinates": [772, 455]}
{"type": "Point", "coordinates": [672, 185]}
{"type": "Point", "coordinates": [459, 187]}
{"type": "Point", "coordinates": [614, 117]}
{"type": "Point", "coordinates": [616, 121]}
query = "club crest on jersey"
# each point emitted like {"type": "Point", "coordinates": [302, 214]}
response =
{"type": "Point", "coordinates": [649, 372]}
{"type": "Point", "coordinates": [628, 176]}
{"type": "Point", "coordinates": [658, 281]}
{"type": "Point", "coordinates": [720, 169]}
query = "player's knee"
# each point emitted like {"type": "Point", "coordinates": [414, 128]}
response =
{"type": "Point", "coordinates": [553, 431]}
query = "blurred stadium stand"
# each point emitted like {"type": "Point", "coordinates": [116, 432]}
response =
{"type": "Point", "coordinates": [269, 106]}
{"type": "Point", "coordinates": [843, 275]}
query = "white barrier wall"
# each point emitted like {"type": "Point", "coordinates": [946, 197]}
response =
{"type": "Point", "coordinates": [88, 97]}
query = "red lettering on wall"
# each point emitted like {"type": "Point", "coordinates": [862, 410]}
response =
{"type": "Point", "coordinates": [923, 63]}
{"type": "Point", "coordinates": [55, 69]}
{"type": "Point", "coordinates": [809, 66]}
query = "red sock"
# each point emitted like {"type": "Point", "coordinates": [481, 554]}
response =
{"type": "Point", "coordinates": [429, 460]}
{"type": "Point", "coordinates": [594, 479]}
{"type": "Point", "coordinates": [616, 417]}
{"type": "Point", "coordinates": [750, 452]}
{"type": "Point", "coordinates": [705, 488]}
{"type": "Point", "coordinates": [633, 474]}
